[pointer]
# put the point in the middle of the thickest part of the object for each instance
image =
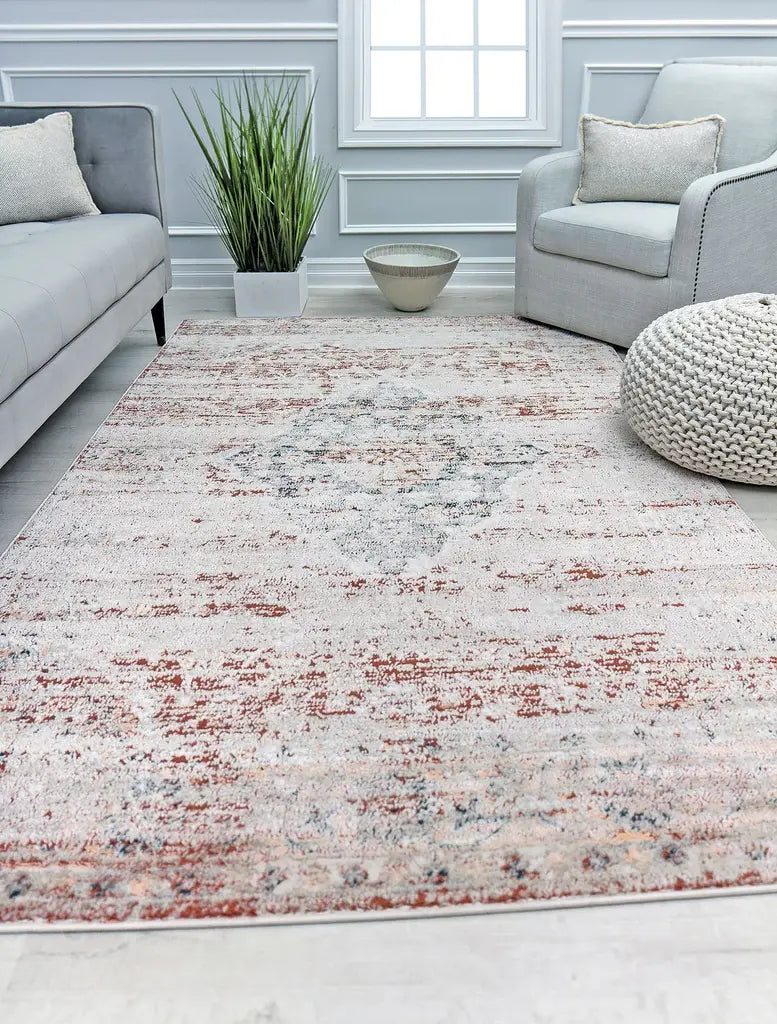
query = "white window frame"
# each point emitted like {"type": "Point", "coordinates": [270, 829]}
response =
{"type": "Point", "coordinates": [540, 128]}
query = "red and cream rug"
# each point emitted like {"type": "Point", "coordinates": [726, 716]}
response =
{"type": "Point", "coordinates": [380, 615]}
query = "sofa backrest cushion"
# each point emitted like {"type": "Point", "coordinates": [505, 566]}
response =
{"type": "Point", "coordinates": [118, 151]}
{"type": "Point", "coordinates": [744, 93]}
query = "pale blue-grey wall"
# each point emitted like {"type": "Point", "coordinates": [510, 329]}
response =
{"type": "Point", "coordinates": [59, 50]}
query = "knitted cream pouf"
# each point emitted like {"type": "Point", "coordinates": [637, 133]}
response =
{"type": "Point", "coordinates": [700, 387]}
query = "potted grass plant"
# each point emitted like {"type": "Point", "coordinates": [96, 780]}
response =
{"type": "Point", "coordinates": [263, 189]}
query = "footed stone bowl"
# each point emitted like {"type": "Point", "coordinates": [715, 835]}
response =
{"type": "Point", "coordinates": [411, 276]}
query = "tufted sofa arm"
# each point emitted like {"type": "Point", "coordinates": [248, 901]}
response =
{"type": "Point", "coordinates": [118, 148]}
{"type": "Point", "coordinates": [726, 238]}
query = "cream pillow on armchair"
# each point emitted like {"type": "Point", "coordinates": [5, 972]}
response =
{"type": "Point", "coordinates": [645, 163]}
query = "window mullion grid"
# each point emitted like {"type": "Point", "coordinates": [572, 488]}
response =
{"type": "Point", "coordinates": [476, 57]}
{"type": "Point", "coordinates": [424, 49]}
{"type": "Point", "coordinates": [532, 43]}
{"type": "Point", "coordinates": [366, 60]}
{"type": "Point", "coordinates": [423, 58]}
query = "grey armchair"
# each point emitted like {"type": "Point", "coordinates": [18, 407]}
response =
{"type": "Point", "coordinates": [607, 270]}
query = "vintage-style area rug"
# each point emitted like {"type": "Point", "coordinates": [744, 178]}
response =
{"type": "Point", "coordinates": [380, 615]}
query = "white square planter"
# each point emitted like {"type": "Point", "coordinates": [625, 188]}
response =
{"type": "Point", "coordinates": [271, 295]}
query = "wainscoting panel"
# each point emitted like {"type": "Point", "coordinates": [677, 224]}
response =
{"type": "Point", "coordinates": [141, 50]}
{"type": "Point", "coordinates": [69, 12]}
{"type": "Point", "coordinates": [158, 87]}
{"type": "Point", "coordinates": [420, 202]}
{"type": "Point", "coordinates": [621, 89]}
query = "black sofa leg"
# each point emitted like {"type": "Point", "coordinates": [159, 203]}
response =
{"type": "Point", "coordinates": [158, 316]}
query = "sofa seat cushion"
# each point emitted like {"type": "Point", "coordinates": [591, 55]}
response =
{"type": "Point", "coordinates": [57, 278]}
{"type": "Point", "coordinates": [632, 236]}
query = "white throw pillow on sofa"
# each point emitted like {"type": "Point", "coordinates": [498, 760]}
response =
{"type": "Point", "coordinates": [645, 163]}
{"type": "Point", "coordinates": [40, 178]}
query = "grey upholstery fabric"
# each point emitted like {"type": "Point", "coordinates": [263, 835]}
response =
{"type": "Point", "coordinates": [724, 242]}
{"type": "Point", "coordinates": [547, 183]}
{"type": "Point", "coordinates": [32, 402]}
{"type": "Point", "coordinates": [71, 290]}
{"type": "Point", "coordinates": [744, 94]}
{"type": "Point", "coordinates": [39, 175]}
{"type": "Point", "coordinates": [119, 151]}
{"type": "Point", "coordinates": [13, 355]}
{"type": "Point", "coordinates": [654, 163]}
{"type": "Point", "coordinates": [632, 236]}
{"type": "Point", "coordinates": [57, 278]}
{"type": "Point", "coordinates": [725, 239]}
{"type": "Point", "coordinates": [601, 302]}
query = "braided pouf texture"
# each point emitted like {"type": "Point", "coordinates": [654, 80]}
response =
{"type": "Point", "coordinates": [699, 387]}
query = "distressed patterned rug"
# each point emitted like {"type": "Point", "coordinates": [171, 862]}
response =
{"type": "Point", "coordinates": [380, 615]}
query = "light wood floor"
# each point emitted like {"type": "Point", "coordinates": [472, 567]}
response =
{"type": "Point", "coordinates": [708, 961]}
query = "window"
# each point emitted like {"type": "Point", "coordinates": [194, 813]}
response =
{"type": "Point", "coordinates": [450, 72]}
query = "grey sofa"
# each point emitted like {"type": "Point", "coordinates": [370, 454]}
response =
{"type": "Point", "coordinates": [607, 270]}
{"type": "Point", "coordinates": [70, 290]}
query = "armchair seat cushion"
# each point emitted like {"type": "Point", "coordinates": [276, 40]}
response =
{"type": "Point", "coordinates": [631, 236]}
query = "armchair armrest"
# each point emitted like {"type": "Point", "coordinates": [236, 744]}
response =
{"type": "Point", "coordinates": [726, 238]}
{"type": "Point", "coordinates": [548, 183]}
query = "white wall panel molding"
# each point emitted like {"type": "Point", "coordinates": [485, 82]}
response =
{"type": "Point", "coordinates": [592, 70]}
{"type": "Point", "coordinates": [348, 227]}
{"type": "Point", "coordinates": [345, 273]}
{"type": "Point", "coordinates": [725, 28]}
{"type": "Point", "coordinates": [9, 75]}
{"type": "Point", "coordinates": [718, 28]}
{"type": "Point", "coordinates": [192, 231]}
{"type": "Point", "coordinates": [177, 32]}
{"type": "Point", "coordinates": [201, 231]}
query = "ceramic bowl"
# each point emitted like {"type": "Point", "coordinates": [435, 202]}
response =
{"type": "Point", "coordinates": [411, 276]}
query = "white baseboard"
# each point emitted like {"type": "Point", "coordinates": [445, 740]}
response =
{"type": "Point", "coordinates": [345, 274]}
